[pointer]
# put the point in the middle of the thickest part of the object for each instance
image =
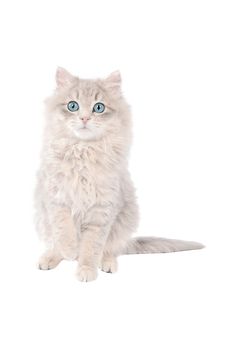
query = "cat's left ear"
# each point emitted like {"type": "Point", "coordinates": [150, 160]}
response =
{"type": "Point", "coordinates": [113, 81]}
{"type": "Point", "coordinates": [63, 77]}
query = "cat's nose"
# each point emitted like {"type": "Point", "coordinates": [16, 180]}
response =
{"type": "Point", "coordinates": [84, 119]}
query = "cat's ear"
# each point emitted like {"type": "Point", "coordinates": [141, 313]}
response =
{"type": "Point", "coordinates": [63, 77]}
{"type": "Point", "coordinates": [113, 83]}
{"type": "Point", "coordinates": [114, 79]}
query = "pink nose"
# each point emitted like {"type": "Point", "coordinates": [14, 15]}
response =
{"type": "Point", "coordinates": [84, 119]}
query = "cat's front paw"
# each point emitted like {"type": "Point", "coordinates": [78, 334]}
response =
{"type": "Point", "coordinates": [49, 260]}
{"type": "Point", "coordinates": [109, 264]}
{"type": "Point", "coordinates": [86, 273]}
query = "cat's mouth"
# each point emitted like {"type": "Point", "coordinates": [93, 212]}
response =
{"type": "Point", "coordinates": [84, 127]}
{"type": "Point", "coordinates": [87, 132]}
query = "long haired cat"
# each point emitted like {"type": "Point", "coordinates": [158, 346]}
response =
{"type": "Point", "coordinates": [85, 200]}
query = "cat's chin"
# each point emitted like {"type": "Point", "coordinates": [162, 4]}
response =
{"type": "Point", "coordinates": [87, 134]}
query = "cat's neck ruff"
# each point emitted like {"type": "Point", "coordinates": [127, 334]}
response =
{"type": "Point", "coordinates": [109, 151]}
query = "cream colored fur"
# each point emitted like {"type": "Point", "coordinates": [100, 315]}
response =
{"type": "Point", "coordinates": [86, 207]}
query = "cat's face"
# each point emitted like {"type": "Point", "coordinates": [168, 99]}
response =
{"type": "Point", "coordinates": [87, 109]}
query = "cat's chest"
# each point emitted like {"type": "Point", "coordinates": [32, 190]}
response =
{"type": "Point", "coordinates": [83, 177]}
{"type": "Point", "coordinates": [77, 185]}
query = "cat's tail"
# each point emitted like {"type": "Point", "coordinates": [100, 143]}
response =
{"type": "Point", "coordinates": [149, 245]}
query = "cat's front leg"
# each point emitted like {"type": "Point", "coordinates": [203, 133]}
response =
{"type": "Point", "coordinates": [91, 248]}
{"type": "Point", "coordinates": [64, 232]}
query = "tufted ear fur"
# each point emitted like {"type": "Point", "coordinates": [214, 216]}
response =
{"type": "Point", "coordinates": [113, 83]}
{"type": "Point", "coordinates": [63, 77]}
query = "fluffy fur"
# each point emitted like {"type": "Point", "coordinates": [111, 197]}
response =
{"type": "Point", "coordinates": [86, 207]}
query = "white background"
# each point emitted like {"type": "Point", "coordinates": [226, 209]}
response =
{"type": "Point", "coordinates": [175, 58]}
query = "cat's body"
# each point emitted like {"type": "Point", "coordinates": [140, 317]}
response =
{"type": "Point", "coordinates": [85, 199]}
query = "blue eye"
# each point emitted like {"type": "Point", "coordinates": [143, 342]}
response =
{"type": "Point", "coordinates": [99, 107]}
{"type": "Point", "coordinates": [73, 106]}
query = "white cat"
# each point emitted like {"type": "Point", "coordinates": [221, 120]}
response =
{"type": "Point", "coordinates": [85, 201]}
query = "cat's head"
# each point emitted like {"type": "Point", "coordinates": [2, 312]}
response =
{"type": "Point", "coordinates": [88, 109]}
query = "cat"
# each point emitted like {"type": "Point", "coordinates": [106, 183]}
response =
{"type": "Point", "coordinates": [86, 207]}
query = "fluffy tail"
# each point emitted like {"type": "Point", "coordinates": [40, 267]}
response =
{"type": "Point", "coordinates": [149, 245]}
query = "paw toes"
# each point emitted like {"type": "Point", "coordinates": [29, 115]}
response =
{"type": "Point", "coordinates": [109, 265]}
{"type": "Point", "coordinates": [86, 274]}
{"type": "Point", "coordinates": [48, 262]}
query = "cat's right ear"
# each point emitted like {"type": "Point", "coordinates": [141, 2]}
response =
{"type": "Point", "coordinates": [114, 79]}
{"type": "Point", "coordinates": [63, 77]}
{"type": "Point", "coordinates": [113, 83]}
